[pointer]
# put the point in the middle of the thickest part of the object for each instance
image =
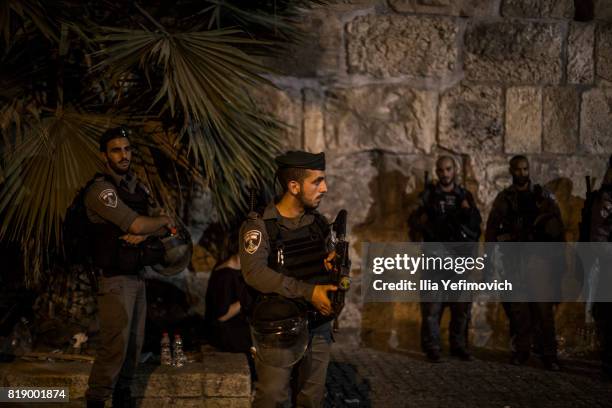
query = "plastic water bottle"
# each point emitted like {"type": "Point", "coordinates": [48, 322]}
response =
{"type": "Point", "coordinates": [179, 355]}
{"type": "Point", "coordinates": [166, 353]}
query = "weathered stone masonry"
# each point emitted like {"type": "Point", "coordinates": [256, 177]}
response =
{"type": "Point", "coordinates": [385, 86]}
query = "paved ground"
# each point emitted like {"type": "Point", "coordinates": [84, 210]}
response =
{"type": "Point", "coordinates": [363, 377]}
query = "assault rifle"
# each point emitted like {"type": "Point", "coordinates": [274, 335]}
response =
{"type": "Point", "coordinates": [340, 274]}
{"type": "Point", "coordinates": [584, 228]}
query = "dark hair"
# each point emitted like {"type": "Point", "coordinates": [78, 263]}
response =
{"type": "Point", "coordinates": [517, 159]}
{"type": "Point", "coordinates": [114, 133]}
{"type": "Point", "coordinates": [446, 157]}
{"type": "Point", "coordinates": [233, 242]}
{"type": "Point", "coordinates": [285, 175]}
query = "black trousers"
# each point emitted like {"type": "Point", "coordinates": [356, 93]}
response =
{"type": "Point", "coordinates": [602, 312]}
{"type": "Point", "coordinates": [431, 314]}
{"type": "Point", "coordinates": [532, 323]}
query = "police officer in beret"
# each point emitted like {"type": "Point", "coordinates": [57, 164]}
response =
{"type": "Point", "coordinates": [286, 252]}
{"type": "Point", "coordinates": [120, 209]}
{"type": "Point", "coordinates": [526, 212]}
{"type": "Point", "coordinates": [447, 213]}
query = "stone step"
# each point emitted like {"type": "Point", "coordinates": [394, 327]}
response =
{"type": "Point", "coordinates": [219, 380]}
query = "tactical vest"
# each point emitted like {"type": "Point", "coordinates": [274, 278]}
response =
{"type": "Point", "coordinates": [446, 221]}
{"type": "Point", "coordinates": [111, 254]}
{"type": "Point", "coordinates": [299, 253]}
{"type": "Point", "coordinates": [519, 221]}
{"type": "Point", "coordinates": [433, 201]}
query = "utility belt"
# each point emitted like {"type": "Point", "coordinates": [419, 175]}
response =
{"type": "Point", "coordinates": [95, 273]}
{"type": "Point", "coordinates": [304, 310]}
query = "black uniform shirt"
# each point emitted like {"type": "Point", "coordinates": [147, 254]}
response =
{"type": "Point", "coordinates": [505, 213]}
{"type": "Point", "coordinates": [601, 223]}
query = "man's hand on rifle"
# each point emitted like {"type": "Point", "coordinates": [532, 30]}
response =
{"type": "Point", "coordinates": [320, 300]}
{"type": "Point", "coordinates": [329, 261]}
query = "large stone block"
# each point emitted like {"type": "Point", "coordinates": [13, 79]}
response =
{"type": "Point", "coordinates": [564, 169]}
{"type": "Point", "coordinates": [492, 175]}
{"type": "Point", "coordinates": [538, 8]}
{"type": "Point", "coordinates": [580, 48]}
{"type": "Point", "coordinates": [596, 121]}
{"type": "Point", "coordinates": [393, 45]}
{"type": "Point", "coordinates": [392, 189]}
{"type": "Point", "coordinates": [448, 7]}
{"type": "Point", "coordinates": [316, 50]}
{"type": "Point", "coordinates": [220, 376]}
{"type": "Point", "coordinates": [522, 52]}
{"type": "Point", "coordinates": [603, 52]}
{"type": "Point", "coordinates": [349, 182]}
{"type": "Point", "coordinates": [523, 120]}
{"type": "Point", "coordinates": [286, 106]}
{"type": "Point", "coordinates": [561, 107]}
{"type": "Point", "coordinates": [602, 10]}
{"type": "Point", "coordinates": [396, 118]}
{"type": "Point", "coordinates": [314, 139]}
{"type": "Point", "coordinates": [471, 119]}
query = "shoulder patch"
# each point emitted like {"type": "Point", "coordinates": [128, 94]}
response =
{"type": "Point", "coordinates": [252, 240]}
{"type": "Point", "coordinates": [108, 197]}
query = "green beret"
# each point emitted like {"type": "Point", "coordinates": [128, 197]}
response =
{"type": "Point", "coordinates": [298, 159]}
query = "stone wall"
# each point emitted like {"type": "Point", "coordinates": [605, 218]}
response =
{"type": "Point", "coordinates": [383, 87]}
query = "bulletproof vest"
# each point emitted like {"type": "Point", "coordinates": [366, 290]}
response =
{"type": "Point", "coordinates": [443, 213]}
{"type": "Point", "coordinates": [299, 253]}
{"type": "Point", "coordinates": [111, 254]}
{"type": "Point", "coordinates": [521, 215]}
{"type": "Point", "coordinates": [441, 204]}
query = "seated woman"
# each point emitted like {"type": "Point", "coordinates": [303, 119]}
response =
{"type": "Point", "coordinates": [228, 329]}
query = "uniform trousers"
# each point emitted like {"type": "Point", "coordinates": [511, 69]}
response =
{"type": "Point", "coordinates": [532, 323]}
{"type": "Point", "coordinates": [122, 310]}
{"type": "Point", "coordinates": [431, 314]}
{"type": "Point", "coordinates": [307, 378]}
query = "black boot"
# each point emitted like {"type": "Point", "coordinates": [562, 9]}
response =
{"type": "Point", "coordinates": [95, 404]}
{"type": "Point", "coordinates": [122, 398]}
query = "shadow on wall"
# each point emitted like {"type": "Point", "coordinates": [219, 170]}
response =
{"type": "Point", "coordinates": [396, 326]}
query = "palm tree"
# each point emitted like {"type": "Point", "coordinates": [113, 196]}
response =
{"type": "Point", "coordinates": [180, 73]}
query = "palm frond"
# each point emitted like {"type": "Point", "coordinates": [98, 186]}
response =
{"type": "Point", "coordinates": [29, 12]}
{"type": "Point", "coordinates": [246, 18]}
{"type": "Point", "coordinates": [55, 156]}
{"type": "Point", "coordinates": [202, 72]}
{"type": "Point", "coordinates": [205, 81]}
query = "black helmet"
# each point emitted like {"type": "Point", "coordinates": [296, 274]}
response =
{"type": "Point", "coordinates": [177, 250]}
{"type": "Point", "coordinates": [279, 328]}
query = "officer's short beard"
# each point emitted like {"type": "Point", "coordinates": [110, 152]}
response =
{"type": "Point", "coordinates": [520, 181]}
{"type": "Point", "coordinates": [446, 182]}
{"type": "Point", "coordinates": [307, 206]}
{"type": "Point", "coordinates": [117, 170]}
